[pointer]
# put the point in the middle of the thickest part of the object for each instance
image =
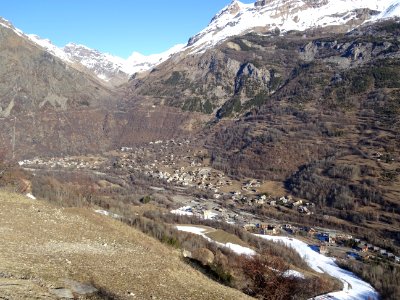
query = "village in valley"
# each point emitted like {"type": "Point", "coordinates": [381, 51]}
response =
{"type": "Point", "coordinates": [178, 168]}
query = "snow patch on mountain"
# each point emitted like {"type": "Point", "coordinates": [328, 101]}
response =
{"type": "Point", "coordinates": [46, 44]}
{"type": "Point", "coordinates": [238, 18]}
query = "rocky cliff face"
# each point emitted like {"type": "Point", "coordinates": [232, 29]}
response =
{"type": "Point", "coordinates": [205, 82]}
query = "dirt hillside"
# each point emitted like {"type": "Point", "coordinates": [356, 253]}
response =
{"type": "Point", "coordinates": [47, 251]}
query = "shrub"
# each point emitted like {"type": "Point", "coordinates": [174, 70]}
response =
{"type": "Point", "coordinates": [146, 199]}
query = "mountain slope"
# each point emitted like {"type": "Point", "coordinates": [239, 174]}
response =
{"type": "Point", "coordinates": [338, 114]}
{"type": "Point", "coordinates": [235, 19]}
{"type": "Point", "coordinates": [48, 250]}
{"type": "Point", "coordinates": [249, 50]}
{"type": "Point", "coordinates": [49, 106]}
{"type": "Point", "coordinates": [33, 80]}
{"type": "Point", "coordinates": [327, 97]}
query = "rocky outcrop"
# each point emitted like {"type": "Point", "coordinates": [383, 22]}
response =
{"type": "Point", "coordinates": [347, 54]}
{"type": "Point", "coordinates": [202, 255]}
{"type": "Point", "coordinates": [260, 3]}
{"type": "Point", "coordinates": [249, 76]}
{"type": "Point", "coordinates": [316, 3]}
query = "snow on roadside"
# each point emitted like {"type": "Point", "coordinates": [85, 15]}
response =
{"type": "Point", "coordinates": [234, 247]}
{"type": "Point", "coordinates": [30, 196]}
{"type": "Point", "coordinates": [240, 249]}
{"type": "Point", "coordinates": [183, 211]}
{"type": "Point", "coordinates": [192, 229]}
{"type": "Point", "coordinates": [354, 287]}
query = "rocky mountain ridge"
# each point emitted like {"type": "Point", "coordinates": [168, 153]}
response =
{"type": "Point", "coordinates": [277, 16]}
{"type": "Point", "coordinates": [107, 67]}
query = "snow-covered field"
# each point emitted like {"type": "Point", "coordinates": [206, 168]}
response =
{"type": "Point", "coordinates": [354, 287]}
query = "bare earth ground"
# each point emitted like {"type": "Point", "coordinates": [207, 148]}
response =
{"type": "Point", "coordinates": [42, 247]}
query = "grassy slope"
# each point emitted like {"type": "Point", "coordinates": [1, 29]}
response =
{"type": "Point", "coordinates": [42, 245]}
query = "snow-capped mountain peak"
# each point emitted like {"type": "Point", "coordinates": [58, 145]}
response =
{"type": "Point", "coordinates": [138, 62]}
{"type": "Point", "coordinates": [105, 66]}
{"type": "Point", "coordinates": [231, 10]}
{"type": "Point", "coordinates": [268, 15]}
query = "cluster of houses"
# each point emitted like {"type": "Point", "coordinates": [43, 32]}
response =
{"type": "Point", "coordinates": [263, 228]}
{"type": "Point", "coordinates": [365, 247]}
{"type": "Point", "coordinates": [251, 185]}
{"type": "Point", "coordinates": [300, 205]}
{"type": "Point", "coordinates": [204, 209]}
{"type": "Point", "coordinates": [171, 142]}
{"type": "Point", "coordinates": [329, 239]}
{"type": "Point", "coordinates": [185, 169]}
{"type": "Point", "coordinates": [69, 162]}
{"type": "Point", "coordinates": [199, 177]}
{"type": "Point", "coordinates": [325, 240]}
{"type": "Point", "coordinates": [288, 202]}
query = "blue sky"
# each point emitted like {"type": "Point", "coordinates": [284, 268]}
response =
{"type": "Point", "coordinates": [118, 27]}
